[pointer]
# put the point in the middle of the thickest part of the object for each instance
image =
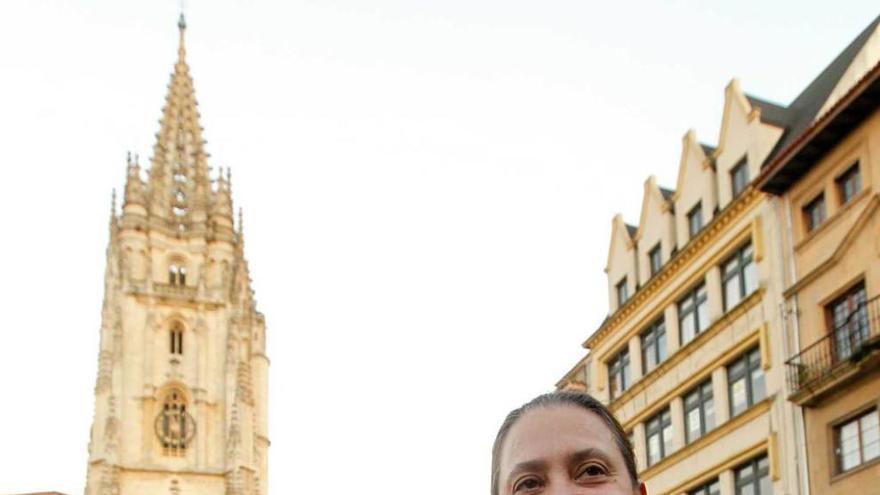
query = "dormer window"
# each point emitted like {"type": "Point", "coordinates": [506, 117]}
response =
{"type": "Point", "coordinates": [849, 184]}
{"type": "Point", "coordinates": [622, 292]}
{"type": "Point", "coordinates": [739, 177]}
{"type": "Point", "coordinates": [176, 274]}
{"type": "Point", "coordinates": [695, 220]}
{"type": "Point", "coordinates": [814, 213]}
{"type": "Point", "coordinates": [655, 259]}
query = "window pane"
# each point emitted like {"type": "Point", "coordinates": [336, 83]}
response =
{"type": "Point", "coordinates": [709, 412]}
{"type": "Point", "coordinates": [731, 293]}
{"type": "Point", "coordinates": [661, 345]}
{"type": "Point", "coordinates": [738, 400]}
{"type": "Point", "coordinates": [750, 277]}
{"type": "Point", "coordinates": [687, 329]}
{"type": "Point", "coordinates": [714, 488]}
{"type": "Point", "coordinates": [766, 485]}
{"type": "Point", "coordinates": [653, 449]}
{"type": "Point", "coordinates": [849, 446]}
{"type": "Point", "coordinates": [870, 436]}
{"type": "Point", "coordinates": [614, 385]}
{"type": "Point", "coordinates": [758, 391]}
{"type": "Point", "coordinates": [703, 316]}
{"type": "Point", "coordinates": [667, 440]}
{"type": "Point", "coordinates": [650, 358]}
{"type": "Point", "coordinates": [693, 424]}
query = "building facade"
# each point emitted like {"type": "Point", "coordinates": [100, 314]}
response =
{"type": "Point", "coordinates": [181, 391]}
{"type": "Point", "coordinates": [694, 356]}
{"type": "Point", "coordinates": [826, 187]}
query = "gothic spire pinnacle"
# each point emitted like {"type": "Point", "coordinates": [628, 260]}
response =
{"type": "Point", "coordinates": [179, 183]}
{"type": "Point", "coordinates": [181, 50]}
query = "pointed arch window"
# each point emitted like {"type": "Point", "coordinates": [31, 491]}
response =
{"type": "Point", "coordinates": [176, 339]}
{"type": "Point", "coordinates": [176, 273]}
{"type": "Point", "coordinates": [174, 426]}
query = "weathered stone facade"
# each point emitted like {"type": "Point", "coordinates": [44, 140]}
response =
{"type": "Point", "coordinates": [181, 391]}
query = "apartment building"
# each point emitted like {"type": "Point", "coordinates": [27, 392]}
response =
{"type": "Point", "coordinates": [826, 182]}
{"type": "Point", "coordinates": [695, 355]}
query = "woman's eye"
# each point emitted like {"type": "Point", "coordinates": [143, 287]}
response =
{"type": "Point", "coordinates": [592, 470]}
{"type": "Point", "coordinates": [526, 484]}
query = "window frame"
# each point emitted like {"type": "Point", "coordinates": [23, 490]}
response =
{"type": "Point", "coordinates": [175, 334]}
{"type": "Point", "coordinates": [660, 425]}
{"type": "Point", "coordinates": [751, 360]}
{"type": "Point", "coordinates": [653, 341]}
{"type": "Point", "coordinates": [854, 325]}
{"type": "Point", "coordinates": [816, 205]}
{"type": "Point", "coordinates": [704, 395]}
{"type": "Point", "coordinates": [622, 291]}
{"type": "Point", "coordinates": [655, 255]}
{"type": "Point", "coordinates": [177, 273]}
{"type": "Point", "coordinates": [695, 215]}
{"type": "Point", "coordinates": [857, 420]}
{"type": "Point", "coordinates": [740, 170]}
{"type": "Point", "coordinates": [695, 299]}
{"type": "Point", "coordinates": [711, 487]}
{"type": "Point", "coordinates": [754, 479]}
{"type": "Point", "coordinates": [619, 366]}
{"type": "Point", "coordinates": [852, 175]}
{"type": "Point", "coordinates": [743, 263]}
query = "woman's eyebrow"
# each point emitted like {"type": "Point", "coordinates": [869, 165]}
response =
{"type": "Point", "coordinates": [537, 465]}
{"type": "Point", "coordinates": [590, 453]}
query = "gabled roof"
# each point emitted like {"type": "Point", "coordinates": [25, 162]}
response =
{"type": "Point", "coordinates": [772, 113]}
{"type": "Point", "coordinates": [824, 134]}
{"type": "Point", "coordinates": [803, 110]}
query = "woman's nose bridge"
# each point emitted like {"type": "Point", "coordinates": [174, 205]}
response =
{"type": "Point", "coordinates": [563, 485]}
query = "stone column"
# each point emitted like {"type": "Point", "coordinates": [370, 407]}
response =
{"type": "Point", "coordinates": [719, 396]}
{"type": "Point", "coordinates": [676, 413]}
{"type": "Point", "coordinates": [635, 358]}
{"type": "Point", "coordinates": [715, 294]}
{"type": "Point", "coordinates": [726, 482]}
{"type": "Point", "coordinates": [673, 335]}
{"type": "Point", "coordinates": [639, 446]}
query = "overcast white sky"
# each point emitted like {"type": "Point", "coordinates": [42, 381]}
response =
{"type": "Point", "coordinates": [428, 190]}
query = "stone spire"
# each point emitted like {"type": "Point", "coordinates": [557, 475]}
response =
{"type": "Point", "coordinates": [179, 183]}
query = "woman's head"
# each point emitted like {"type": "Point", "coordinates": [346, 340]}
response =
{"type": "Point", "coordinates": [562, 439]}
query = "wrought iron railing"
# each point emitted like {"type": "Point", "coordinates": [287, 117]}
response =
{"type": "Point", "coordinates": [846, 343]}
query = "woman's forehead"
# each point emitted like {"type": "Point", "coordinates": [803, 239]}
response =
{"type": "Point", "coordinates": [556, 431]}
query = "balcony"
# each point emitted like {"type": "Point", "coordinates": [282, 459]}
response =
{"type": "Point", "coordinates": [839, 357]}
{"type": "Point", "coordinates": [175, 291]}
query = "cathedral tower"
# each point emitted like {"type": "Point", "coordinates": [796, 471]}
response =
{"type": "Point", "coordinates": [181, 392]}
